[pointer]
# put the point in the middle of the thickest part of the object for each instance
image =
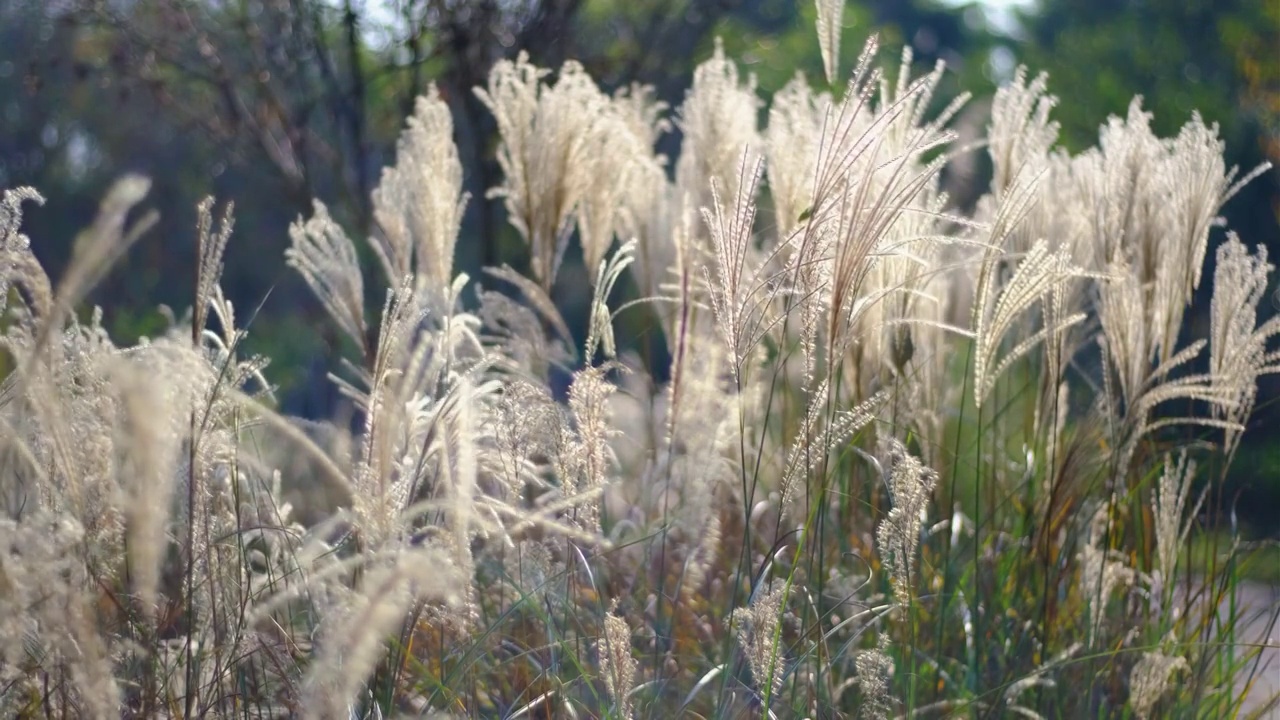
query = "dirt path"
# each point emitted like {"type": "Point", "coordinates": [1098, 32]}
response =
{"type": "Point", "coordinates": [1257, 603]}
{"type": "Point", "coordinates": [1260, 602]}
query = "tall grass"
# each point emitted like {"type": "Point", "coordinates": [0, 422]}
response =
{"type": "Point", "coordinates": [903, 461]}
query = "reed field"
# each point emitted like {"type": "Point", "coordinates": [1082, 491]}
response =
{"type": "Point", "coordinates": [873, 455]}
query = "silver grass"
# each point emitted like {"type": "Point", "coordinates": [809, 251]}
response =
{"type": "Point", "coordinates": [24, 272]}
{"type": "Point", "coordinates": [421, 427]}
{"type": "Point", "coordinates": [109, 423]}
{"type": "Point", "coordinates": [516, 332]}
{"type": "Point", "coordinates": [379, 495]}
{"type": "Point", "coordinates": [757, 628]}
{"type": "Point", "coordinates": [914, 95]}
{"type": "Point", "coordinates": [1168, 507]}
{"type": "Point", "coordinates": [11, 237]}
{"type": "Point", "coordinates": [1150, 679]}
{"type": "Point", "coordinates": [718, 120]}
{"type": "Point", "coordinates": [150, 434]}
{"type": "Point", "coordinates": [648, 214]}
{"type": "Point", "coordinates": [911, 487]}
{"type": "Point", "coordinates": [1031, 175]}
{"type": "Point", "coordinates": [540, 306]}
{"type": "Point", "coordinates": [428, 396]}
{"type": "Point", "coordinates": [907, 330]}
{"type": "Point", "coordinates": [419, 202]}
{"type": "Point", "coordinates": [735, 281]}
{"type": "Point", "coordinates": [587, 463]}
{"type": "Point", "coordinates": [620, 156]}
{"type": "Point", "coordinates": [691, 466]}
{"type": "Point", "coordinates": [904, 259]}
{"type": "Point", "coordinates": [72, 413]}
{"type": "Point", "coordinates": [819, 436]}
{"type": "Point", "coordinates": [686, 288]}
{"type": "Point", "coordinates": [829, 28]}
{"type": "Point", "coordinates": [460, 468]}
{"type": "Point", "coordinates": [14, 245]}
{"type": "Point", "coordinates": [617, 665]}
{"type": "Point", "coordinates": [684, 466]}
{"type": "Point", "coordinates": [600, 333]}
{"type": "Point", "coordinates": [98, 247]}
{"type": "Point", "coordinates": [1021, 135]}
{"type": "Point", "coordinates": [791, 142]}
{"type": "Point", "coordinates": [638, 108]}
{"type": "Point", "coordinates": [1140, 385]}
{"type": "Point", "coordinates": [212, 244]}
{"type": "Point", "coordinates": [45, 612]}
{"type": "Point", "coordinates": [467, 464]}
{"type": "Point", "coordinates": [843, 129]}
{"type": "Point", "coordinates": [1197, 185]}
{"type": "Point", "coordinates": [441, 346]}
{"type": "Point", "coordinates": [326, 258]}
{"type": "Point", "coordinates": [1238, 346]}
{"type": "Point", "coordinates": [1152, 203]}
{"type": "Point", "coordinates": [704, 551]}
{"type": "Point", "coordinates": [874, 671]}
{"type": "Point", "coordinates": [352, 640]}
{"type": "Point", "coordinates": [547, 133]}
{"type": "Point", "coordinates": [870, 172]}
{"type": "Point", "coordinates": [1102, 572]}
{"type": "Point", "coordinates": [221, 351]}
{"type": "Point", "coordinates": [999, 306]}
{"type": "Point", "coordinates": [527, 429]}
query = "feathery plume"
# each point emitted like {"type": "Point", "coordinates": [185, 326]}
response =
{"type": "Point", "coordinates": [326, 258]}
{"type": "Point", "coordinates": [1021, 134]}
{"type": "Point", "coordinates": [617, 665]}
{"type": "Point", "coordinates": [589, 459]}
{"type": "Point", "coordinates": [1101, 572]}
{"type": "Point", "coordinates": [829, 27]}
{"type": "Point", "coordinates": [97, 248]}
{"type": "Point", "coordinates": [718, 119]}
{"type": "Point", "coordinates": [757, 627]}
{"type": "Point", "coordinates": [1150, 679]}
{"type": "Point", "coordinates": [1040, 274]}
{"type": "Point", "coordinates": [600, 334]}
{"type": "Point", "coordinates": [419, 202]}
{"type": "Point", "coordinates": [911, 487]}
{"type": "Point", "coordinates": [14, 245]}
{"type": "Point", "coordinates": [1168, 506]}
{"type": "Point", "coordinates": [874, 669]}
{"type": "Point", "coordinates": [546, 152]}
{"type": "Point", "coordinates": [353, 638]}
{"type": "Point", "coordinates": [792, 141]}
{"type": "Point", "coordinates": [1238, 351]}
{"type": "Point", "coordinates": [620, 157]}
{"type": "Point", "coordinates": [212, 244]}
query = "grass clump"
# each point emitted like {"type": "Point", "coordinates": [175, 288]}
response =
{"type": "Point", "coordinates": [903, 459]}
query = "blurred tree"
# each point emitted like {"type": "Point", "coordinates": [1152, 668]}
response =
{"type": "Point", "coordinates": [273, 102]}
{"type": "Point", "coordinates": [314, 91]}
{"type": "Point", "coordinates": [1257, 54]}
{"type": "Point", "coordinates": [1178, 53]}
{"type": "Point", "coordinates": [40, 136]}
{"type": "Point", "coordinates": [1218, 57]}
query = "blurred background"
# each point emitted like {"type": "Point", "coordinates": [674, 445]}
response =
{"type": "Point", "coordinates": [269, 103]}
